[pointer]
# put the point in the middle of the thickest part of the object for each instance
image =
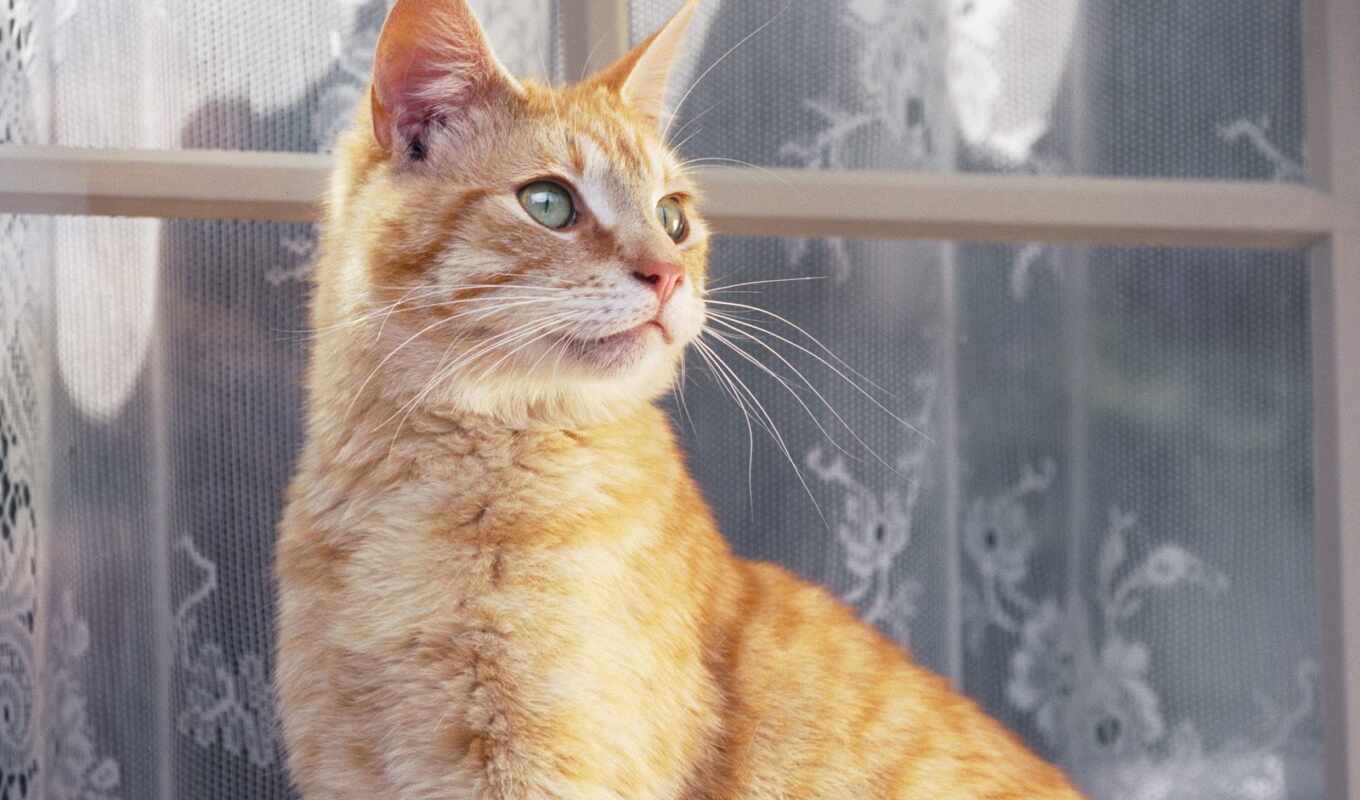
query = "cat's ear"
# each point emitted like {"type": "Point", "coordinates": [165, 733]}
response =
{"type": "Point", "coordinates": [433, 64]}
{"type": "Point", "coordinates": [641, 77]}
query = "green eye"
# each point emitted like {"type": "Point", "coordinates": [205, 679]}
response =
{"type": "Point", "coordinates": [549, 204]}
{"type": "Point", "coordinates": [672, 217]}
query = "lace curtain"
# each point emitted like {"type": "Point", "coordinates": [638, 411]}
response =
{"type": "Point", "coordinates": [1074, 480]}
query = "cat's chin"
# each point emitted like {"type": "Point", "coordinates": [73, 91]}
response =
{"type": "Point", "coordinates": [619, 352]}
{"type": "Point", "coordinates": [598, 381]}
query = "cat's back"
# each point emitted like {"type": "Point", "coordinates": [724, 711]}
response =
{"type": "Point", "coordinates": [823, 706]}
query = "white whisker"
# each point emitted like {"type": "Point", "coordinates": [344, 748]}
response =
{"type": "Point", "coordinates": [730, 286]}
{"type": "Point", "coordinates": [483, 312]}
{"type": "Point", "coordinates": [425, 293]}
{"type": "Point", "coordinates": [501, 339]}
{"type": "Point", "coordinates": [462, 286]}
{"type": "Point", "coordinates": [675, 113]}
{"type": "Point", "coordinates": [692, 121]}
{"type": "Point", "coordinates": [705, 352]}
{"type": "Point", "coordinates": [811, 338]}
{"type": "Point", "coordinates": [441, 373]}
{"type": "Point", "coordinates": [561, 339]}
{"type": "Point", "coordinates": [905, 423]}
{"type": "Point", "coordinates": [680, 393]}
{"type": "Point", "coordinates": [684, 167]}
{"type": "Point", "coordinates": [355, 399]}
{"type": "Point", "coordinates": [590, 57]}
{"type": "Point", "coordinates": [779, 438]}
{"type": "Point", "coordinates": [687, 139]}
{"type": "Point", "coordinates": [806, 382]}
{"type": "Point", "coordinates": [561, 322]}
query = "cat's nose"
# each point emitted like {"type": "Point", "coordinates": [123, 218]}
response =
{"type": "Point", "coordinates": [663, 276]}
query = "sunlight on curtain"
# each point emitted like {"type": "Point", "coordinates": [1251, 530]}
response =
{"type": "Point", "coordinates": [1085, 496]}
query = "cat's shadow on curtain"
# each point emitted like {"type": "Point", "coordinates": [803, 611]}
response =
{"type": "Point", "coordinates": [233, 299]}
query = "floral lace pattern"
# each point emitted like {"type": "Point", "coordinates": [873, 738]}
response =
{"type": "Point", "coordinates": [71, 766]}
{"type": "Point", "coordinates": [223, 703]}
{"type": "Point", "coordinates": [18, 567]}
{"type": "Point", "coordinates": [1088, 683]}
{"type": "Point", "coordinates": [874, 530]}
{"type": "Point", "coordinates": [16, 63]}
{"type": "Point", "coordinates": [1088, 687]}
{"type": "Point", "coordinates": [20, 430]}
{"type": "Point", "coordinates": [891, 98]}
{"type": "Point", "coordinates": [54, 757]}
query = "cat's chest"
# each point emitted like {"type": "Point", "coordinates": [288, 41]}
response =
{"type": "Point", "coordinates": [463, 546]}
{"type": "Point", "coordinates": [547, 603]}
{"type": "Point", "coordinates": [581, 631]}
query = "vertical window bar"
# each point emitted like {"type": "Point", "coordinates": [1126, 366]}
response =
{"type": "Point", "coordinates": [1332, 72]}
{"type": "Point", "coordinates": [594, 34]}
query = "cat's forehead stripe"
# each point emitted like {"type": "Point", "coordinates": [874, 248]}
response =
{"type": "Point", "coordinates": [575, 156]}
{"type": "Point", "coordinates": [599, 178]}
{"type": "Point", "coordinates": [660, 155]}
{"type": "Point", "coordinates": [622, 145]}
{"type": "Point", "coordinates": [595, 182]}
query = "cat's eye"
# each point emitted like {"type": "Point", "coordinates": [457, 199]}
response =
{"type": "Point", "coordinates": [549, 203]}
{"type": "Point", "coordinates": [672, 217]}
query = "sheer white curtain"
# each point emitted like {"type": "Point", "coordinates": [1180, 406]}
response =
{"type": "Point", "coordinates": [1105, 535]}
{"type": "Point", "coordinates": [1083, 487]}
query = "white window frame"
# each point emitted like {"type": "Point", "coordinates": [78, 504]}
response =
{"type": "Point", "coordinates": [1324, 216]}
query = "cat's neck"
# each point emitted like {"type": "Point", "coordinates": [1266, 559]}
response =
{"type": "Point", "coordinates": [351, 414]}
{"type": "Point", "coordinates": [372, 457]}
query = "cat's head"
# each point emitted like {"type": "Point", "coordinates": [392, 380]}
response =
{"type": "Point", "coordinates": [516, 250]}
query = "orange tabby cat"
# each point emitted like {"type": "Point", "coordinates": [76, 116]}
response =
{"type": "Point", "coordinates": [497, 579]}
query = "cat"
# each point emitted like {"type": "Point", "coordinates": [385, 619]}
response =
{"type": "Point", "coordinates": [497, 580]}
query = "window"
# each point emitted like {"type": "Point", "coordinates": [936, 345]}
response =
{"type": "Point", "coordinates": [1120, 304]}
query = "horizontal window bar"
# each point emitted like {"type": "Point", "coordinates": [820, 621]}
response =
{"type": "Point", "coordinates": [192, 184]}
{"type": "Point", "coordinates": [740, 202]}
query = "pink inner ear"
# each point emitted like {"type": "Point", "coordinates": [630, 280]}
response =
{"type": "Point", "coordinates": [433, 63]}
{"type": "Point", "coordinates": [403, 95]}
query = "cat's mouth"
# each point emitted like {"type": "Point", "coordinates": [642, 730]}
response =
{"type": "Point", "coordinates": [622, 349]}
{"type": "Point", "coordinates": [638, 332]}
{"type": "Point", "coordinates": [646, 327]}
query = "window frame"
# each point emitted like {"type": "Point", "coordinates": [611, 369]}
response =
{"type": "Point", "coordinates": [1323, 216]}
{"type": "Point", "coordinates": [1331, 31]}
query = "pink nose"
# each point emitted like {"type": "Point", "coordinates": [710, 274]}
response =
{"type": "Point", "coordinates": [663, 276]}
